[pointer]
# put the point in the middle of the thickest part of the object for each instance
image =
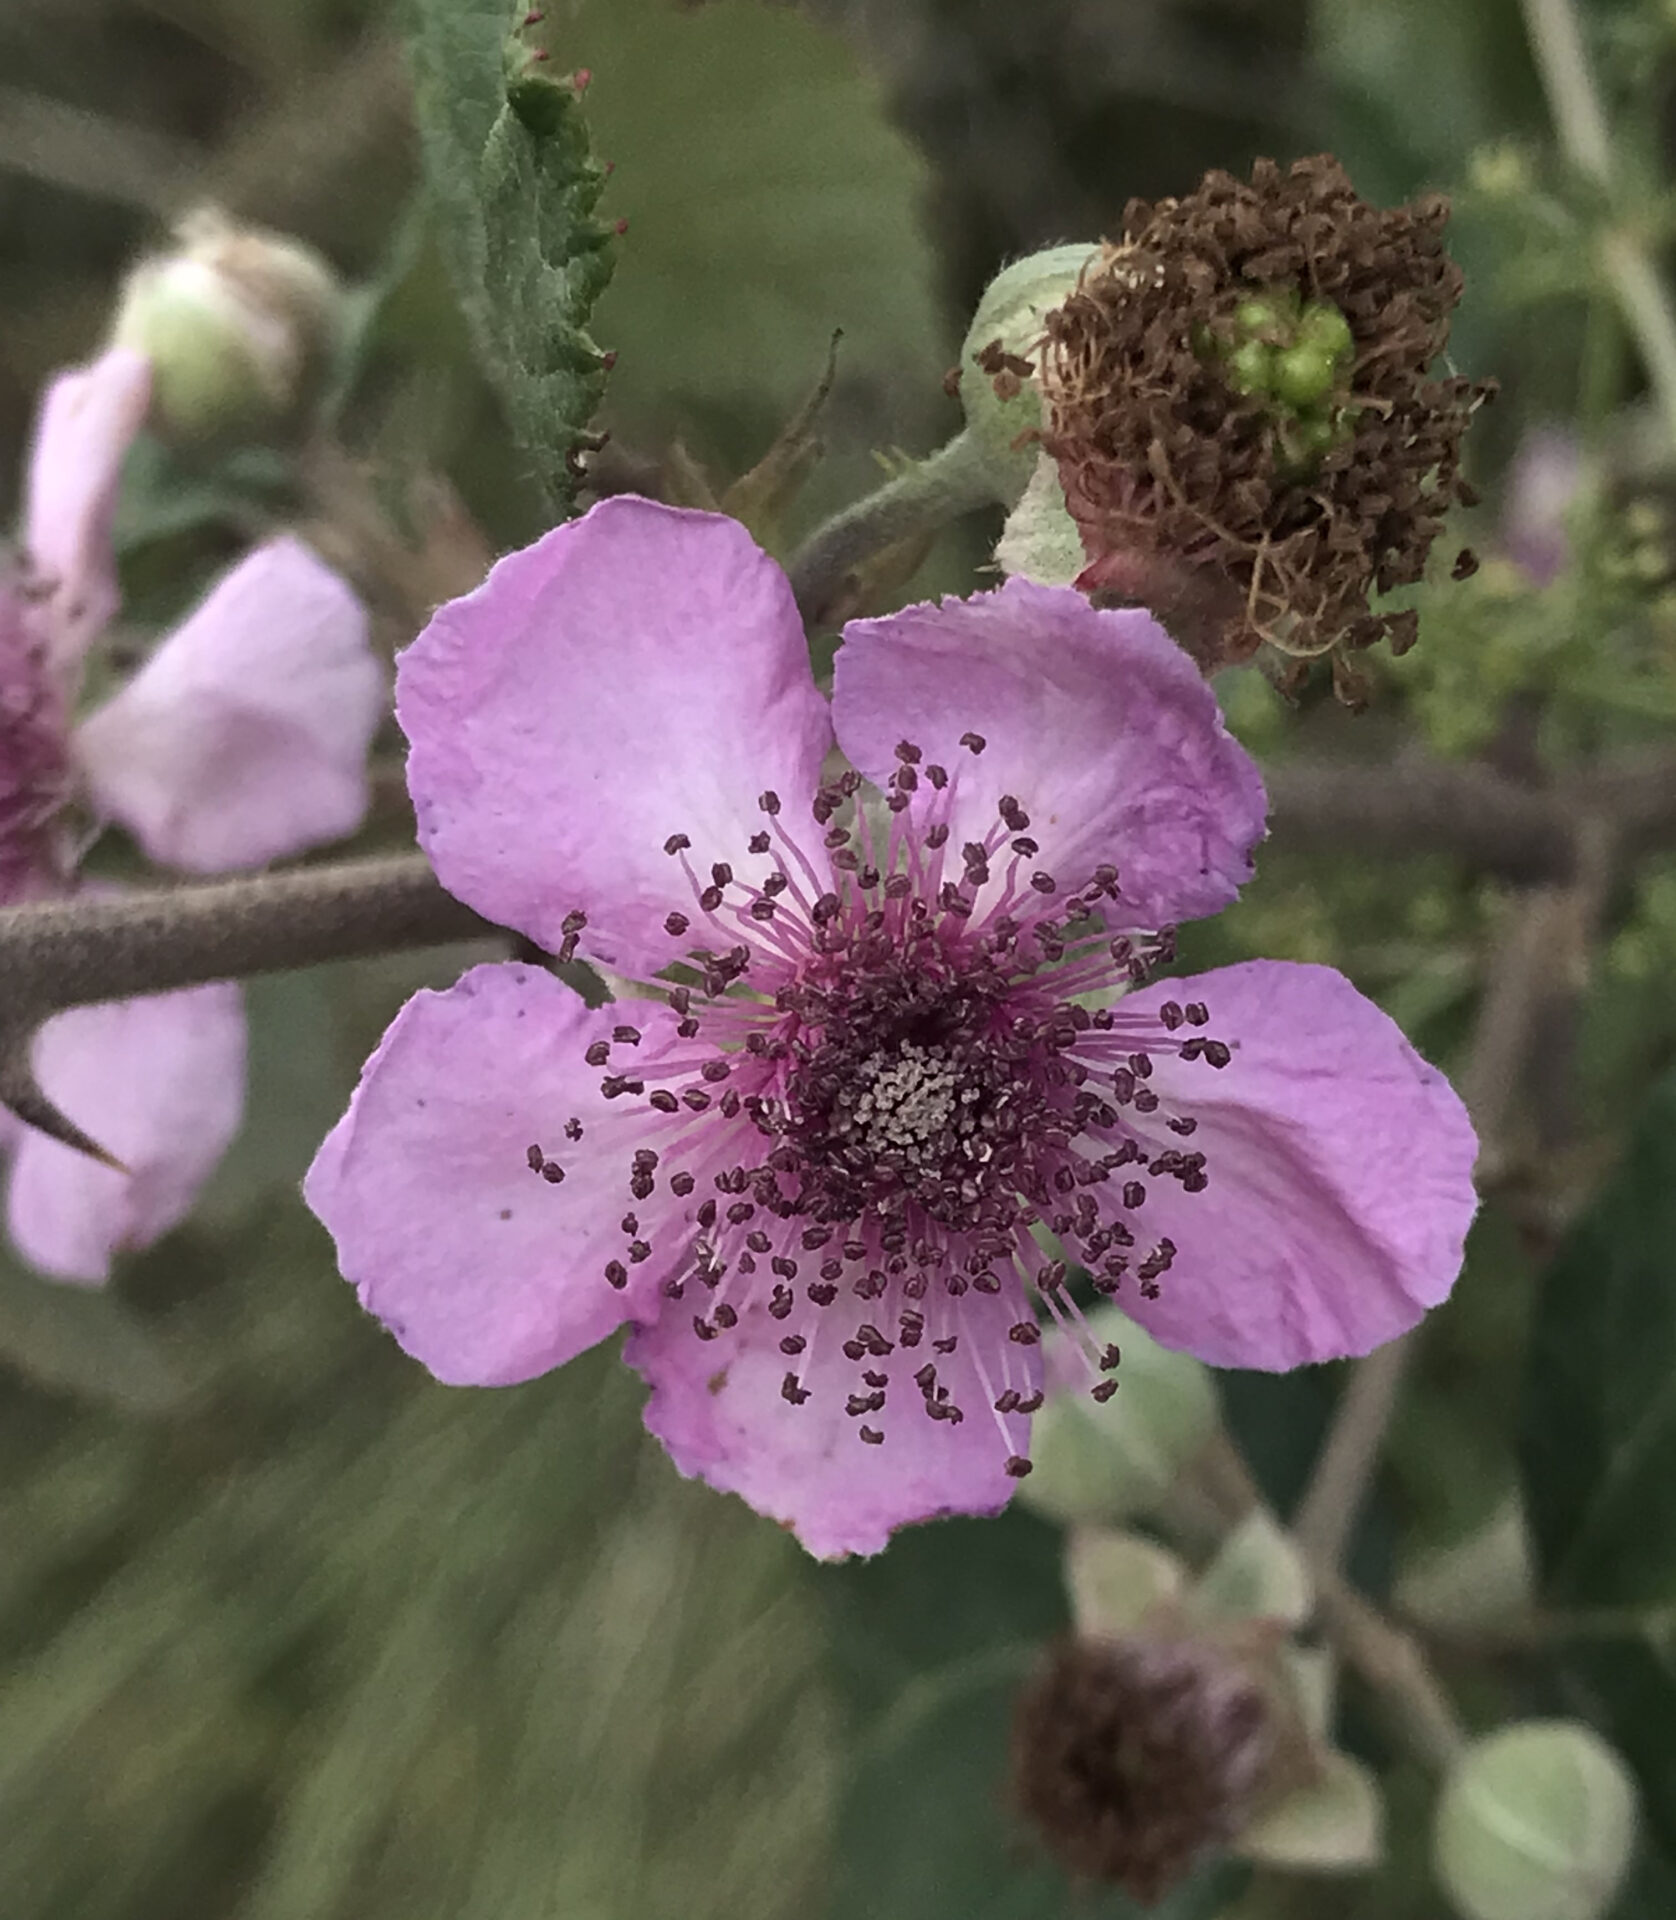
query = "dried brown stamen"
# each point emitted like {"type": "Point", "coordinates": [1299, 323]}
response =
{"type": "Point", "coordinates": [1191, 487]}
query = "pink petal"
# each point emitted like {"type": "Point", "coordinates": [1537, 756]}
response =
{"type": "Point", "coordinates": [717, 1407]}
{"type": "Point", "coordinates": [1095, 721]}
{"type": "Point", "coordinates": [1340, 1174]}
{"type": "Point", "coordinates": [159, 1083]}
{"type": "Point", "coordinates": [87, 421]}
{"type": "Point", "coordinates": [483, 1270]}
{"type": "Point", "coordinates": [1542, 486]}
{"type": "Point", "coordinates": [637, 673]}
{"type": "Point", "coordinates": [244, 737]}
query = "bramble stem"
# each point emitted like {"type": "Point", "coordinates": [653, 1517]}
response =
{"type": "Point", "coordinates": [928, 495]}
{"type": "Point", "coordinates": [67, 953]}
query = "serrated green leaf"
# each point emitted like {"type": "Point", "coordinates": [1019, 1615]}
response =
{"type": "Point", "coordinates": [1599, 1441]}
{"type": "Point", "coordinates": [509, 161]}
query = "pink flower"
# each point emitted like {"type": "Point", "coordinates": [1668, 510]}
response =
{"type": "Point", "coordinates": [830, 1181]}
{"type": "Point", "coordinates": [1543, 482]}
{"type": "Point", "coordinates": [241, 739]}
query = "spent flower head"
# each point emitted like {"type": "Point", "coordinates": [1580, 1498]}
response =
{"type": "Point", "coordinates": [1182, 1717]}
{"type": "Point", "coordinates": [1135, 1755]}
{"type": "Point", "coordinates": [902, 1072]}
{"type": "Point", "coordinates": [1242, 402]}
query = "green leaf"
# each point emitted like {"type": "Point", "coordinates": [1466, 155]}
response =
{"type": "Point", "coordinates": [1630, 1686]}
{"type": "Point", "coordinates": [769, 201]}
{"type": "Point", "coordinates": [509, 160]}
{"type": "Point", "coordinates": [1599, 1440]}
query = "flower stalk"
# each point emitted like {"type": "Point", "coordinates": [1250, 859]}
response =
{"type": "Point", "coordinates": [928, 495]}
{"type": "Point", "coordinates": [1580, 125]}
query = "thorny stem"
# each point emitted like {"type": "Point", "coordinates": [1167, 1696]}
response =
{"type": "Point", "coordinates": [69, 953]}
{"type": "Point", "coordinates": [928, 495]}
{"type": "Point", "coordinates": [1580, 123]}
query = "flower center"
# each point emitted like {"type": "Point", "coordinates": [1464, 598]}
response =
{"type": "Point", "coordinates": [909, 1099]}
{"type": "Point", "coordinates": [910, 1070]}
{"type": "Point", "coordinates": [890, 1088]}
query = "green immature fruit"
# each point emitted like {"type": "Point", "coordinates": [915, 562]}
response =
{"type": "Point", "coordinates": [1257, 316]}
{"type": "Point", "coordinates": [1325, 327]}
{"type": "Point", "coordinates": [1303, 375]}
{"type": "Point", "coordinates": [1251, 367]}
{"type": "Point", "coordinates": [1536, 1822]}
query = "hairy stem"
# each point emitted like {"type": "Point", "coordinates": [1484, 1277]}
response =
{"type": "Point", "coordinates": [67, 953]}
{"type": "Point", "coordinates": [928, 495]}
{"type": "Point", "coordinates": [1389, 1659]}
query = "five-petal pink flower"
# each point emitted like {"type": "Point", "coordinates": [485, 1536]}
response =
{"type": "Point", "coordinates": [903, 1072]}
{"type": "Point", "coordinates": [242, 738]}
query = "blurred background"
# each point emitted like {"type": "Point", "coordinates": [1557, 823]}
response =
{"type": "Point", "coordinates": [291, 1633]}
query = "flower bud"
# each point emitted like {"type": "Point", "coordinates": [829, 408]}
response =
{"type": "Point", "coordinates": [1105, 1459]}
{"type": "Point", "coordinates": [239, 325]}
{"type": "Point", "coordinates": [1536, 1822]}
{"type": "Point", "coordinates": [999, 359]}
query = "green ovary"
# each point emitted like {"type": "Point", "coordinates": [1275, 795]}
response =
{"type": "Point", "coordinates": [1294, 357]}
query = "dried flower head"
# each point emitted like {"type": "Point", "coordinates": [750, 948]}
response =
{"type": "Point", "coordinates": [1240, 403]}
{"type": "Point", "coordinates": [1131, 1756]}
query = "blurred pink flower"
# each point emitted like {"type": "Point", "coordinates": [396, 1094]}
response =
{"type": "Point", "coordinates": [819, 1180]}
{"type": "Point", "coordinates": [241, 739]}
{"type": "Point", "coordinates": [1542, 483]}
